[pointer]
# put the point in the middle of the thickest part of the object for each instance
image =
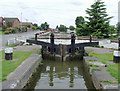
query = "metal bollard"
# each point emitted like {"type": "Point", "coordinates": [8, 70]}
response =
{"type": "Point", "coordinates": [52, 43]}
{"type": "Point", "coordinates": [116, 57]}
{"type": "Point", "coordinates": [90, 38]}
{"type": "Point", "coordinates": [36, 38]}
{"type": "Point", "coordinates": [73, 43]}
{"type": "Point", "coordinates": [8, 53]}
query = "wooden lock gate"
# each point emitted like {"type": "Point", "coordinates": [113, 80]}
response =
{"type": "Point", "coordinates": [62, 50]}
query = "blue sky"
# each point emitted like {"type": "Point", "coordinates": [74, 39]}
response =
{"type": "Point", "coordinates": [55, 12]}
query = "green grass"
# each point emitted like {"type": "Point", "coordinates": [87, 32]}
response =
{"type": "Point", "coordinates": [92, 60]}
{"type": "Point", "coordinates": [10, 66]}
{"type": "Point", "coordinates": [92, 65]}
{"type": "Point", "coordinates": [96, 70]}
{"type": "Point", "coordinates": [104, 57]}
{"type": "Point", "coordinates": [39, 51]}
{"type": "Point", "coordinates": [10, 45]}
{"type": "Point", "coordinates": [112, 69]}
{"type": "Point", "coordinates": [110, 82]}
{"type": "Point", "coordinates": [1, 32]}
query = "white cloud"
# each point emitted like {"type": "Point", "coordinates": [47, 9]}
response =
{"type": "Point", "coordinates": [55, 12]}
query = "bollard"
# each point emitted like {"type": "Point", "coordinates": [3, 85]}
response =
{"type": "Point", "coordinates": [90, 38]}
{"type": "Point", "coordinates": [52, 43]}
{"type": "Point", "coordinates": [72, 43]}
{"type": "Point", "coordinates": [36, 38]}
{"type": "Point", "coordinates": [116, 57]}
{"type": "Point", "coordinates": [8, 53]}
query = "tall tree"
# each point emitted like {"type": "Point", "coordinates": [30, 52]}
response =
{"type": "Point", "coordinates": [98, 20]}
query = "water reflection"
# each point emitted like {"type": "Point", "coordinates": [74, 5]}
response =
{"type": "Point", "coordinates": [62, 75]}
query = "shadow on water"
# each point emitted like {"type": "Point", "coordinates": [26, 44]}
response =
{"type": "Point", "coordinates": [61, 75]}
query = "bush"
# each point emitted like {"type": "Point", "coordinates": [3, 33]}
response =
{"type": "Point", "coordinates": [85, 54]}
{"type": "Point", "coordinates": [97, 46]}
{"type": "Point", "coordinates": [30, 43]}
{"type": "Point", "coordinates": [33, 28]}
{"type": "Point", "coordinates": [102, 46]}
{"type": "Point", "coordinates": [7, 32]}
{"type": "Point", "coordinates": [10, 32]}
{"type": "Point", "coordinates": [71, 27]}
{"type": "Point", "coordinates": [4, 28]}
{"type": "Point", "coordinates": [14, 29]}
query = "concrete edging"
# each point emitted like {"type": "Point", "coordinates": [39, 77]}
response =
{"type": "Point", "coordinates": [18, 82]}
{"type": "Point", "coordinates": [93, 77]}
{"type": "Point", "coordinates": [98, 84]}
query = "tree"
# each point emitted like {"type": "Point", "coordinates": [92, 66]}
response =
{"type": "Point", "coordinates": [81, 26]}
{"type": "Point", "coordinates": [98, 20]}
{"type": "Point", "coordinates": [71, 27]}
{"type": "Point", "coordinates": [82, 30]}
{"type": "Point", "coordinates": [33, 28]}
{"type": "Point", "coordinates": [79, 20]}
{"type": "Point", "coordinates": [40, 28]}
{"type": "Point", "coordinates": [9, 24]}
{"type": "Point", "coordinates": [45, 26]}
{"type": "Point", "coordinates": [62, 28]}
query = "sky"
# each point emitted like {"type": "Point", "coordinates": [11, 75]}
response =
{"type": "Point", "coordinates": [55, 12]}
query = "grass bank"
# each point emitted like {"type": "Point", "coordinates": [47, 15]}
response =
{"type": "Point", "coordinates": [111, 68]}
{"type": "Point", "coordinates": [1, 32]}
{"type": "Point", "coordinates": [10, 66]}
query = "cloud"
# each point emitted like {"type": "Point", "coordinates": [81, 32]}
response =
{"type": "Point", "coordinates": [55, 12]}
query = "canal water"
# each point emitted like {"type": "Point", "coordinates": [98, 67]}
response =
{"type": "Point", "coordinates": [64, 75]}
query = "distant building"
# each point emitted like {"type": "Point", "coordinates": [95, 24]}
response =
{"type": "Point", "coordinates": [29, 24]}
{"type": "Point", "coordinates": [15, 21]}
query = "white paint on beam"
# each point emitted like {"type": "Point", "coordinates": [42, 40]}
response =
{"type": "Point", "coordinates": [117, 53]}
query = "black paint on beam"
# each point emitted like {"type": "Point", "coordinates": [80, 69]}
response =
{"type": "Point", "coordinates": [36, 38]}
{"type": "Point", "coordinates": [52, 43]}
{"type": "Point", "coordinates": [86, 44]}
{"type": "Point", "coordinates": [72, 44]}
{"type": "Point", "coordinates": [40, 43]}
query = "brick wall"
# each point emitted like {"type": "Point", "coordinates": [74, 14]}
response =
{"type": "Point", "coordinates": [16, 23]}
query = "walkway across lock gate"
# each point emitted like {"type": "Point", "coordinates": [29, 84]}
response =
{"type": "Point", "coordinates": [62, 50]}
